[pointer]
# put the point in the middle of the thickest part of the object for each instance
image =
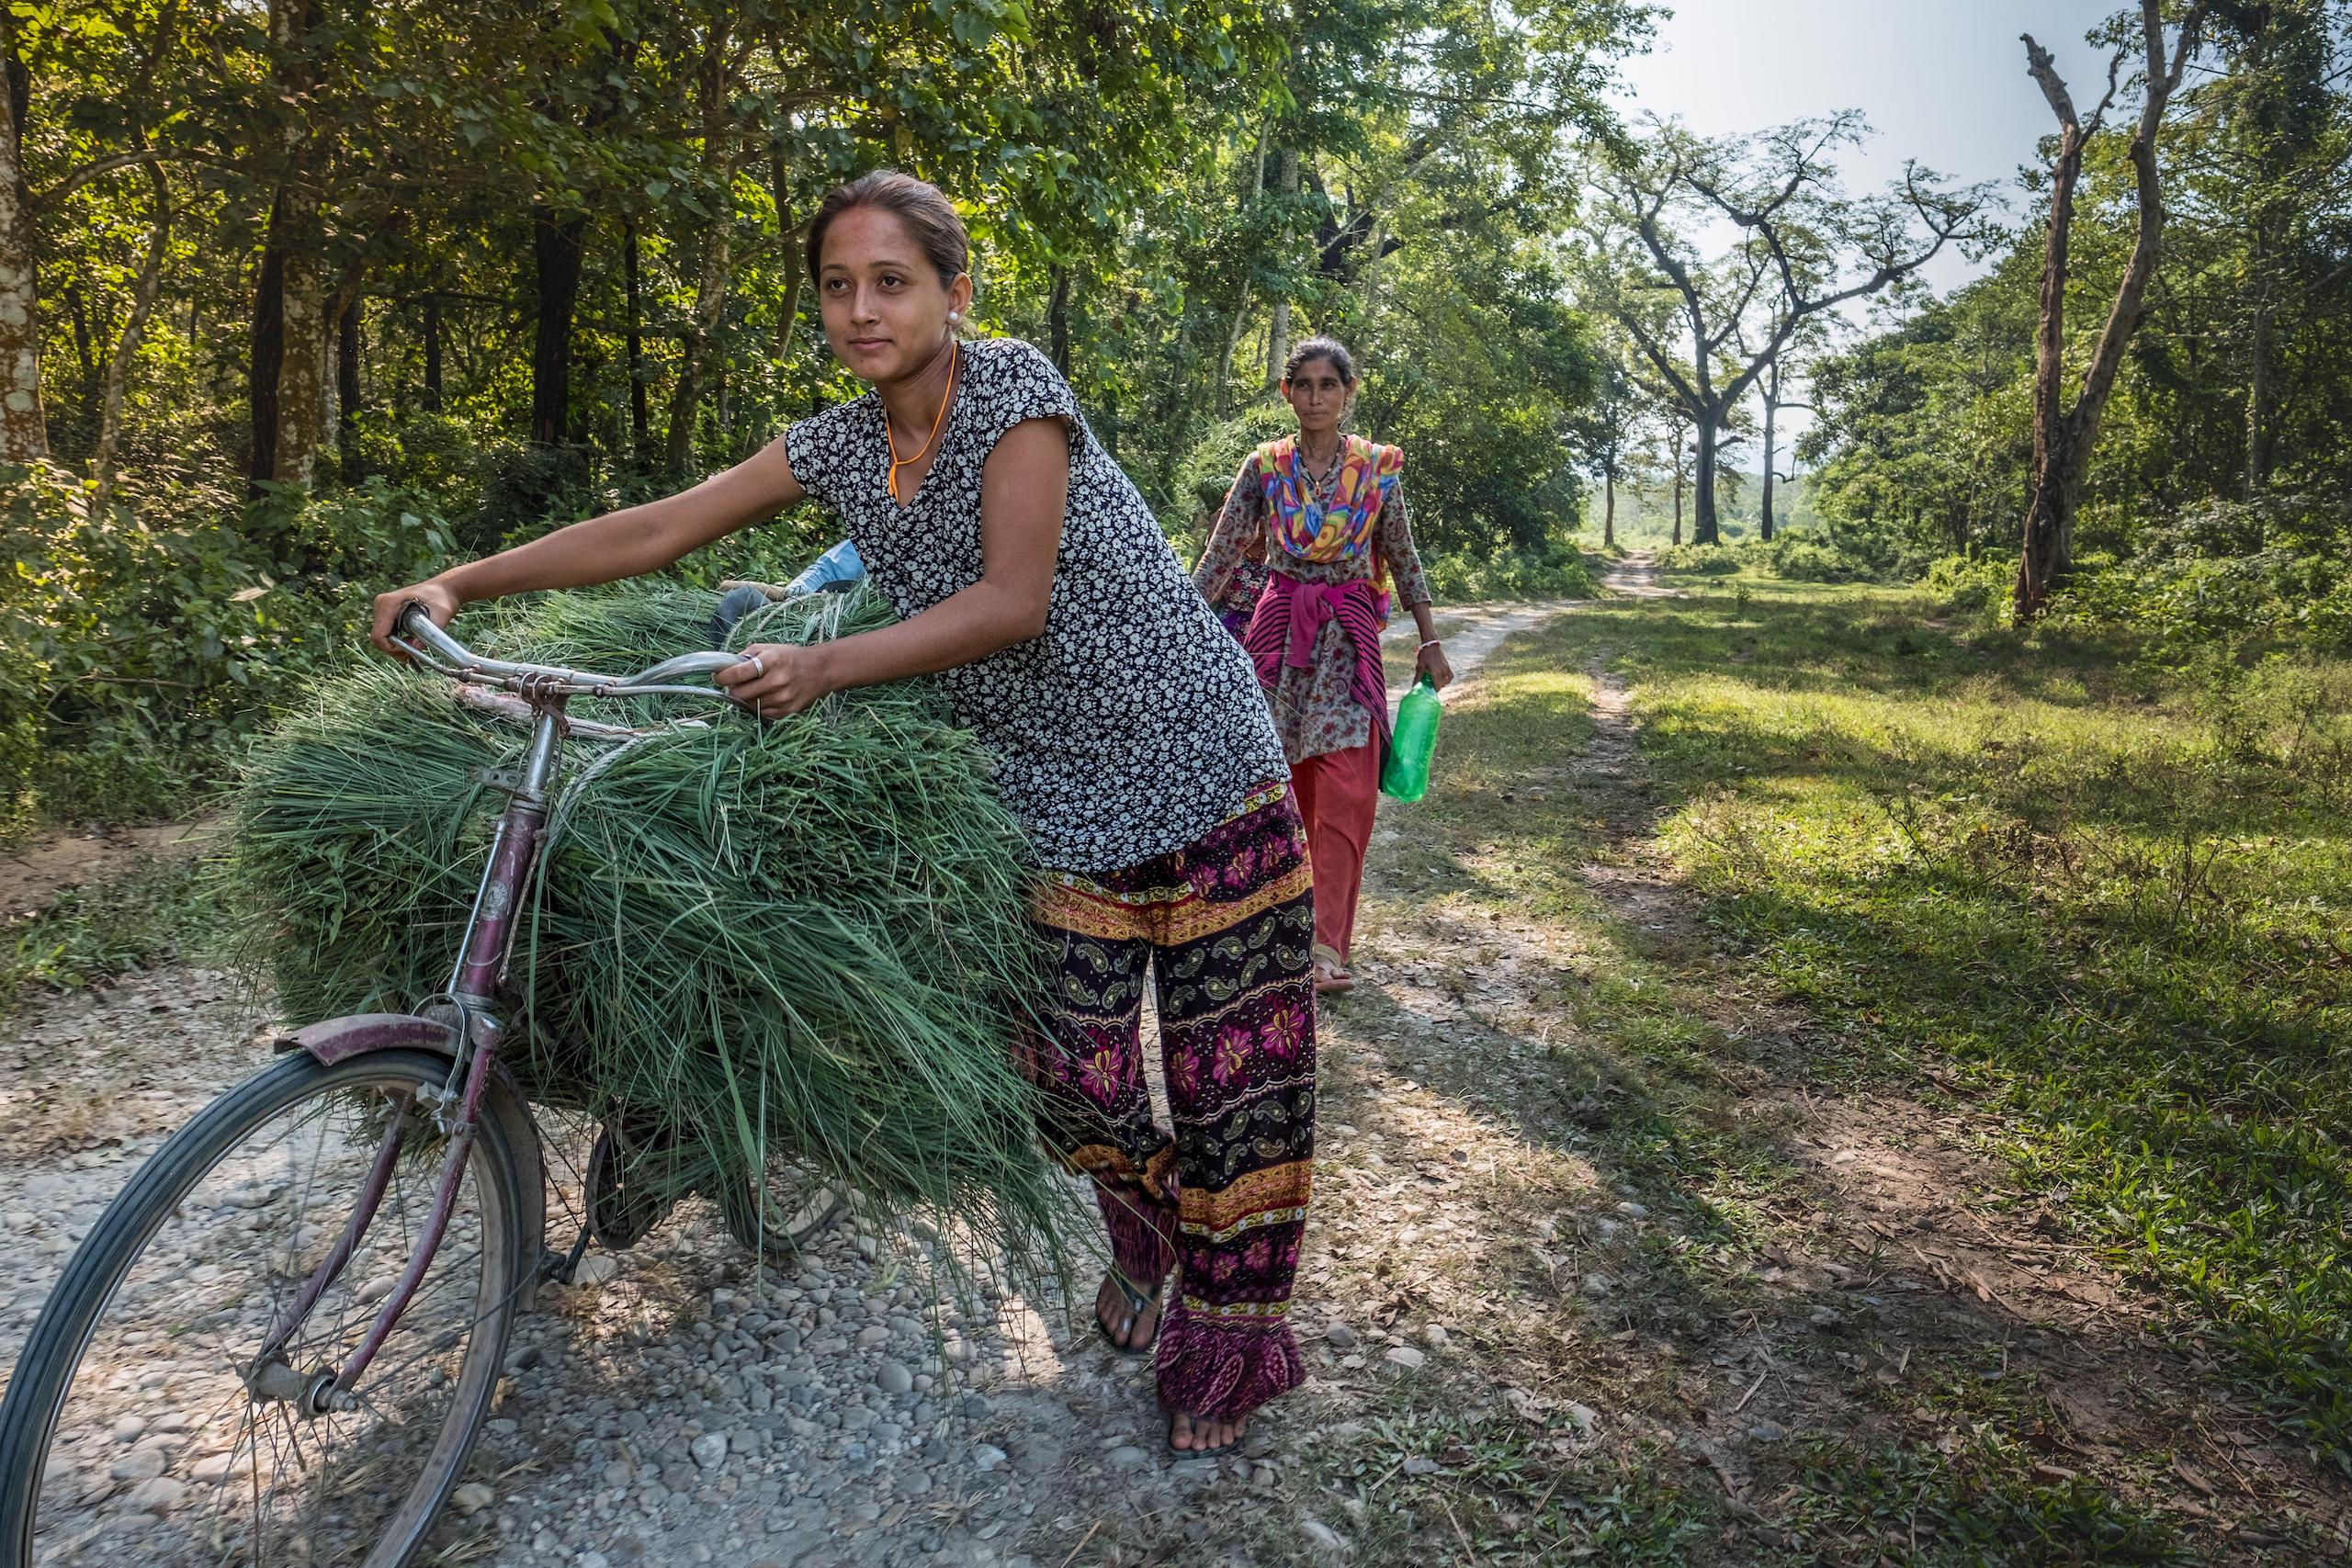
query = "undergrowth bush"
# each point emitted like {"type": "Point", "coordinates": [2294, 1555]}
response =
{"type": "Point", "coordinates": [2276, 569]}
{"type": "Point", "coordinates": [1799, 557]}
{"type": "Point", "coordinates": [1977, 585]}
{"type": "Point", "coordinates": [135, 643]}
{"type": "Point", "coordinates": [1556, 571]}
{"type": "Point", "coordinates": [1719, 560]}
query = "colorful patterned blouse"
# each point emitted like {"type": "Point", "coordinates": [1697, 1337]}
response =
{"type": "Point", "coordinates": [1314, 708]}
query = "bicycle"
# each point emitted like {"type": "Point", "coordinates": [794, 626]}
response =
{"type": "Point", "coordinates": [309, 1386]}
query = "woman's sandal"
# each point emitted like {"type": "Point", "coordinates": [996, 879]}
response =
{"type": "Point", "coordinates": [1137, 1304]}
{"type": "Point", "coordinates": [1217, 1452]}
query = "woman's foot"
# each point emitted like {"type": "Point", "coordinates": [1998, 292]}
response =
{"type": "Point", "coordinates": [1331, 975]}
{"type": "Point", "coordinates": [1124, 1315]}
{"type": "Point", "coordinates": [1199, 1437]}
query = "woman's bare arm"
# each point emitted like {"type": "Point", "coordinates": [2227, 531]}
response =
{"type": "Point", "coordinates": [627, 543]}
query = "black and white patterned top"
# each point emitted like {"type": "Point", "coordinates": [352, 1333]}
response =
{"type": "Point", "coordinates": [1134, 724]}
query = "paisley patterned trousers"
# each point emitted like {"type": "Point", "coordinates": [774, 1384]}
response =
{"type": "Point", "coordinates": [1226, 927]}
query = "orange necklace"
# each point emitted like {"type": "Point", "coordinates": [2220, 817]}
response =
{"type": "Point", "coordinates": [898, 462]}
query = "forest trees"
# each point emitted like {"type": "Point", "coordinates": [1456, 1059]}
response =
{"type": "Point", "coordinates": [1806, 248]}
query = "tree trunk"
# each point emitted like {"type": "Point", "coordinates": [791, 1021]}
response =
{"type": "Point", "coordinates": [24, 425]}
{"type": "Point", "coordinates": [795, 264]}
{"type": "Point", "coordinates": [711, 302]}
{"type": "Point", "coordinates": [302, 362]}
{"type": "Point", "coordinates": [346, 392]}
{"type": "Point", "coordinates": [1609, 508]}
{"type": "Point", "coordinates": [1225, 361]}
{"type": "Point", "coordinates": [2059, 461]}
{"type": "Point", "coordinates": [558, 244]}
{"type": "Point", "coordinates": [1703, 530]}
{"type": "Point", "coordinates": [2063, 439]}
{"type": "Point", "coordinates": [1372, 270]}
{"type": "Point", "coordinates": [1278, 337]}
{"type": "Point", "coordinates": [2049, 505]}
{"type": "Point", "coordinates": [2258, 421]}
{"type": "Point", "coordinates": [1057, 316]}
{"type": "Point", "coordinates": [1677, 491]}
{"type": "Point", "coordinates": [1764, 502]}
{"type": "Point", "coordinates": [85, 349]}
{"type": "Point", "coordinates": [265, 350]}
{"type": "Point", "coordinates": [719, 151]}
{"type": "Point", "coordinates": [632, 286]}
{"type": "Point", "coordinates": [287, 386]}
{"type": "Point", "coordinates": [126, 348]}
{"type": "Point", "coordinates": [433, 353]}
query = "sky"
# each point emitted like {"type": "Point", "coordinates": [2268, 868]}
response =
{"type": "Point", "coordinates": [1941, 81]}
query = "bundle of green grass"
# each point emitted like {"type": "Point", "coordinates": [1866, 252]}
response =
{"type": "Point", "coordinates": [799, 939]}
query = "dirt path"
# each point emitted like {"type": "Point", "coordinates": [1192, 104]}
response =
{"type": "Point", "coordinates": [34, 873]}
{"type": "Point", "coordinates": [853, 1435]}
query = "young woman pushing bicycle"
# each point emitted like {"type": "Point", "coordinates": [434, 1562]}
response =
{"type": "Point", "coordinates": [1033, 579]}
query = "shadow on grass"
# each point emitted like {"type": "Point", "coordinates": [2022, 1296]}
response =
{"type": "Point", "coordinates": [2136, 926]}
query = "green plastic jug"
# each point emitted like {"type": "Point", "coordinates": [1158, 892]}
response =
{"type": "Point", "coordinates": [1412, 743]}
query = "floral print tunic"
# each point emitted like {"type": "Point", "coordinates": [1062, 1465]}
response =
{"type": "Point", "coordinates": [1315, 709]}
{"type": "Point", "coordinates": [1134, 725]}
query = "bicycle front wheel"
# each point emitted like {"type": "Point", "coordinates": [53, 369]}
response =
{"type": "Point", "coordinates": [149, 1421]}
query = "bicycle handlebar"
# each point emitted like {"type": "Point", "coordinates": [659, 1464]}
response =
{"type": "Point", "coordinates": [414, 630]}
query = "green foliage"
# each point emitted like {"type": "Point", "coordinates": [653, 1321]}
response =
{"type": "Point", "coordinates": [1207, 471]}
{"type": "Point", "coordinates": [1554, 572]}
{"type": "Point", "coordinates": [805, 936]}
{"type": "Point", "coordinates": [1713, 560]}
{"type": "Point", "coordinates": [1980, 585]}
{"type": "Point", "coordinates": [2237, 384]}
{"type": "Point", "coordinates": [2277, 570]}
{"type": "Point", "coordinates": [133, 643]}
{"type": "Point", "coordinates": [1797, 557]}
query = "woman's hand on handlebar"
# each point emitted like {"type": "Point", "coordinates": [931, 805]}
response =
{"type": "Point", "coordinates": [777, 679]}
{"type": "Point", "coordinates": [438, 598]}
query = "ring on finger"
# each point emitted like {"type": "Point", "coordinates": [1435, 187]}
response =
{"type": "Point", "coordinates": [759, 667]}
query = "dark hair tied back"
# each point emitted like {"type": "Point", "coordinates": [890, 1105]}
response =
{"type": "Point", "coordinates": [929, 216]}
{"type": "Point", "coordinates": [1316, 348]}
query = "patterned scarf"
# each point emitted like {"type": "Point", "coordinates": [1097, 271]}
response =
{"type": "Point", "coordinates": [1306, 526]}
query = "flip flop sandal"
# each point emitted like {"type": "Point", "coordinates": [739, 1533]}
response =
{"type": "Point", "coordinates": [1332, 980]}
{"type": "Point", "coordinates": [1138, 1303]}
{"type": "Point", "coordinates": [1217, 1452]}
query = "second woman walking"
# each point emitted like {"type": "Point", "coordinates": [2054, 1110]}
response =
{"type": "Point", "coordinates": [1312, 532]}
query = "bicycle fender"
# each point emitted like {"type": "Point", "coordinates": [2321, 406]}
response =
{"type": "Point", "coordinates": [339, 1039]}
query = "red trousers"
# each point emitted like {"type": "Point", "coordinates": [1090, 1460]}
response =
{"type": "Point", "coordinates": [1337, 794]}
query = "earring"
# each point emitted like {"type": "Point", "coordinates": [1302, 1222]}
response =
{"type": "Point", "coordinates": [954, 317]}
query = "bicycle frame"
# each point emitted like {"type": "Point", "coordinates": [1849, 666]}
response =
{"type": "Point", "coordinates": [464, 1021]}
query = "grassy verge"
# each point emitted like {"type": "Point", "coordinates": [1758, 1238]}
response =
{"type": "Point", "coordinates": [91, 935]}
{"type": "Point", "coordinates": [1576, 1051]}
{"type": "Point", "coordinates": [2120, 896]}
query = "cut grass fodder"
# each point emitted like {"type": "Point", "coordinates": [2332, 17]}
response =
{"type": "Point", "coordinates": [747, 940]}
